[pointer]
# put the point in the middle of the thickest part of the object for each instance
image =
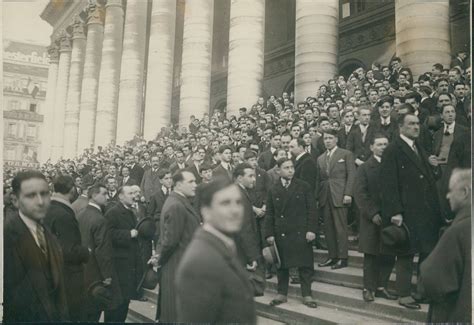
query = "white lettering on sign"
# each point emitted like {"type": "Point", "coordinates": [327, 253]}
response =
{"type": "Point", "coordinates": [33, 57]}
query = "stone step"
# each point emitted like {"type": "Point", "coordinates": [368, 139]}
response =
{"type": "Point", "coordinates": [350, 300]}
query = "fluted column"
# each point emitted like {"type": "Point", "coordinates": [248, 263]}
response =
{"type": "Point", "coordinates": [109, 79]}
{"type": "Point", "coordinates": [129, 115]}
{"type": "Point", "coordinates": [61, 97]}
{"type": "Point", "coordinates": [160, 67]}
{"type": "Point", "coordinates": [422, 34]}
{"type": "Point", "coordinates": [48, 108]}
{"type": "Point", "coordinates": [196, 62]}
{"type": "Point", "coordinates": [71, 119]}
{"type": "Point", "coordinates": [90, 78]}
{"type": "Point", "coordinates": [246, 54]}
{"type": "Point", "coordinates": [316, 45]}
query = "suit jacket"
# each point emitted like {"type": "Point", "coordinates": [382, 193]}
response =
{"type": "Point", "coordinates": [95, 235]}
{"type": "Point", "coordinates": [462, 108]}
{"type": "Point", "coordinates": [178, 223]}
{"type": "Point", "coordinates": [449, 287]}
{"type": "Point", "coordinates": [460, 153]}
{"type": "Point", "coordinates": [305, 170]}
{"type": "Point", "coordinates": [225, 293]}
{"type": "Point", "coordinates": [342, 135]}
{"type": "Point", "coordinates": [409, 188]}
{"type": "Point", "coordinates": [391, 130]}
{"type": "Point", "coordinates": [246, 239]}
{"type": "Point", "coordinates": [291, 213]}
{"type": "Point", "coordinates": [28, 277]}
{"type": "Point", "coordinates": [153, 210]}
{"type": "Point", "coordinates": [258, 194]}
{"type": "Point", "coordinates": [174, 167]}
{"type": "Point", "coordinates": [317, 145]}
{"type": "Point", "coordinates": [266, 160]}
{"type": "Point", "coordinates": [80, 204]}
{"type": "Point", "coordinates": [129, 182]}
{"type": "Point", "coordinates": [459, 132]}
{"type": "Point", "coordinates": [192, 168]}
{"type": "Point", "coordinates": [367, 197]}
{"type": "Point", "coordinates": [340, 180]}
{"type": "Point", "coordinates": [137, 173]}
{"type": "Point", "coordinates": [150, 183]}
{"type": "Point", "coordinates": [220, 171]}
{"type": "Point", "coordinates": [360, 149]}
{"type": "Point", "coordinates": [62, 222]}
{"type": "Point", "coordinates": [126, 254]}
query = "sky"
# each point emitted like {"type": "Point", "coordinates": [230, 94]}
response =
{"type": "Point", "coordinates": [21, 21]}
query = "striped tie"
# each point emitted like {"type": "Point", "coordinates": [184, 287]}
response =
{"type": "Point", "coordinates": [41, 239]}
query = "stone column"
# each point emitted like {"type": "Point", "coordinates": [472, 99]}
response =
{"type": "Point", "coordinates": [90, 78]}
{"type": "Point", "coordinates": [160, 67]}
{"type": "Point", "coordinates": [422, 34]}
{"type": "Point", "coordinates": [246, 54]}
{"type": "Point", "coordinates": [196, 61]}
{"type": "Point", "coordinates": [106, 118]}
{"type": "Point", "coordinates": [316, 45]}
{"type": "Point", "coordinates": [129, 114]}
{"type": "Point", "coordinates": [61, 97]}
{"type": "Point", "coordinates": [48, 108]}
{"type": "Point", "coordinates": [71, 120]}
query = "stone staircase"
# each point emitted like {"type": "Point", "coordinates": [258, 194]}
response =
{"type": "Point", "coordinates": [337, 292]}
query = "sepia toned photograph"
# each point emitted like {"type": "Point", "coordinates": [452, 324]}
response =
{"type": "Point", "coordinates": [260, 162]}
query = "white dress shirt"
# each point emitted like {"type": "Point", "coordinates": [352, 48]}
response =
{"type": "Point", "coordinates": [32, 226]}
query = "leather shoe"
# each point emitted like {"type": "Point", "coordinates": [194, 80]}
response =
{"type": "Point", "coordinates": [340, 264]}
{"type": "Point", "coordinates": [295, 280]}
{"type": "Point", "coordinates": [409, 304]}
{"type": "Point", "coordinates": [383, 293]}
{"type": "Point", "coordinates": [367, 295]}
{"type": "Point", "coordinates": [328, 262]}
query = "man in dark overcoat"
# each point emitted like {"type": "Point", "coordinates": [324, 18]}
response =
{"type": "Point", "coordinates": [34, 289]}
{"type": "Point", "coordinates": [95, 235]}
{"type": "Point", "coordinates": [359, 138]}
{"type": "Point", "coordinates": [291, 222]}
{"type": "Point", "coordinates": [178, 222]}
{"type": "Point", "coordinates": [225, 168]}
{"type": "Point", "coordinates": [305, 166]}
{"type": "Point", "coordinates": [150, 181]}
{"type": "Point", "coordinates": [377, 267]}
{"type": "Point", "coordinates": [212, 287]}
{"type": "Point", "coordinates": [409, 196]}
{"type": "Point", "coordinates": [126, 252]}
{"type": "Point", "coordinates": [446, 272]}
{"type": "Point", "coordinates": [334, 187]}
{"type": "Point", "coordinates": [62, 222]}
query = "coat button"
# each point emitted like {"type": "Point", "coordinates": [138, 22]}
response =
{"type": "Point", "coordinates": [421, 176]}
{"type": "Point", "coordinates": [281, 216]}
{"type": "Point", "coordinates": [283, 235]}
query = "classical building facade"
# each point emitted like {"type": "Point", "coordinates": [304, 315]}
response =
{"type": "Point", "coordinates": [123, 68]}
{"type": "Point", "coordinates": [25, 77]}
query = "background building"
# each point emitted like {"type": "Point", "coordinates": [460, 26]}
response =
{"type": "Point", "coordinates": [129, 68]}
{"type": "Point", "coordinates": [25, 76]}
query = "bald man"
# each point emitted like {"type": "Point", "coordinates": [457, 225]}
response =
{"type": "Point", "coordinates": [449, 287]}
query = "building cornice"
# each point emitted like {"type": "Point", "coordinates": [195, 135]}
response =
{"type": "Point", "coordinates": [60, 14]}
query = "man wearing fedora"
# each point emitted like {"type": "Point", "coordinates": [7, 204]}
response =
{"type": "Point", "coordinates": [212, 286]}
{"type": "Point", "coordinates": [291, 222]}
{"type": "Point", "coordinates": [409, 198]}
{"type": "Point", "coordinates": [446, 273]}
{"type": "Point", "coordinates": [377, 267]}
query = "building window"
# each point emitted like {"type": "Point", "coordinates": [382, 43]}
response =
{"type": "Point", "coordinates": [354, 7]}
{"type": "Point", "coordinates": [31, 131]}
{"type": "Point", "coordinates": [12, 129]}
{"type": "Point", "coordinates": [14, 105]}
{"type": "Point", "coordinates": [10, 154]}
{"type": "Point", "coordinates": [33, 107]}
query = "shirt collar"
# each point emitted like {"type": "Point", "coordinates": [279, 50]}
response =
{"type": "Point", "coordinates": [284, 181]}
{"type": "Point", "coordinates": [408, 141]}
{"type": "Point", "coordinates": [95, 206]}
{"type": "Point", "coordinates": [449, 127]}
{"type": "Point", "coordinates": [385, 120]}
{"type": "Point", "coordinates": [164, 189]}
{"type": "Point", "coordinates": [30, 223]}
{"type": "Point", "coordinates": [379, 159]}
{"type": "Point", "coordinates": [331, 152]}
{"type": "Point", "coordinates": [228, 242]}
{"type": "Point", "coordinates": [300, 155]}
{"type": "Point", "coordinates": [61, 200]}
{"type": "Point", "coordinates": [363, 127]}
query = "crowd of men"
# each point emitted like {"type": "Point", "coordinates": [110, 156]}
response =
{"type": "Point", "coordinates": [378, 149]}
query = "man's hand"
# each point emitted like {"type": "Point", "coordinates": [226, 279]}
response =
{"type": "Point", "coordinates": [134, 233]}
{"type": "Point", "coordinates": [271, 240]}
{"type": "Point", "coordinates": [258, 211]}
{"type": "Point", "coordinates": [252, 267]}
{"type": "Point", "coordinates": [433, 160]}
{"type": "Point", "coordinates": [154, 260]}
{"type": "Point", "coordinates": [397, 220]}
{"type": "Point", "coordinates": [347, 200]}
{"type": "Point", "coordinates": [358, 162]}
{"type": "Point", "coordinates": [310, 236]}
{"type": "Point", "coordinates": [377, 220]}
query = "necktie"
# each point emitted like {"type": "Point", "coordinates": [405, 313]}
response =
{"type": "Point", "coordinates": [447, 133]}
{"type": "Point", "coordinates": [364, 133]}
{"type": "Point", "coordinates": [41, 239]}
{"type": "Point", "coordinates": [415, 150]}
{"type": "Point", "coordinates": [286, 183]}
{"type": "Point", "coordinates": [328, 161]}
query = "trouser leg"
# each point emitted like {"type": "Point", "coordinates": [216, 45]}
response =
{"type": "Point", "coordinates": [385, 267]}
{"type": "Point", "coordinates": [370, 272]}
{"type": "Point", "coordinates": [117, 315]}
{"type": "Point", "coordinates": [306, 275]}
{"type": "Point", "coordinates": [340, 226]}
{"type": "Point", "coordinates": [419, 290]}
{"type": "Point", "coordinates": [330, 232]}
{"type": "Point", "coordinates": [404, 267]}
{"type": "Point", "coordinates": [283, 276]}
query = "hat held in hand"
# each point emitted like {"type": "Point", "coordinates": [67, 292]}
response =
{"type": "Point", "coordinates": [395, 236]}
{"type": "Point", "coordinates": [271, 255]}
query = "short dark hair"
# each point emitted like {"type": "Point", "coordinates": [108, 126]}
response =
{"type": "Point", "coordinates": [385, 99]}
{"type": "Point", "coordinates": [205, 166]}
{"type": "Point", "coordinates": [24, 176]}
{"type": "Point", "coordinates": [178, 175]}
{"type": "Point", "coordinates": [407, 106]}
{"type": "Point", "coordinates": [300, 142]}
{"type": "Point", "coordinates": [250, 154]}
{"type": "Point", "coordinates": [224, 148]}
{"type": "Point", "coordinates": [401, 118]}
{"type": "Point", "coordinates": [438, 66]}
{"type": "Point", "coordinates": [95, 189]}
{"type": "Point", "coordinates": [239, 170]}
{"type": "Point", "coordinates": [162, 173]}
{"type": "Point", "coordinates": [281, 161]}
{"type": "Point", "coordinates": [207, 191]}
{"type": "Point", "coordinates": [63, 184]}
{"type": "Point", "coordinates": [377, 135]}
{"type": "Point", "coordinates": [331, 132]}
{"type": "Point", "coordinates": [414, 95]}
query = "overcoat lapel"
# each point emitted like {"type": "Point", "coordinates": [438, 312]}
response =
{"type": "Point", "coordinates": [413, 157]}
{"type": "Point", "coordinates": [187, 204]}
{"type": "Point", "coordinates": [334, 159]}
{"type": "Point", "coordinates": [286, 193]}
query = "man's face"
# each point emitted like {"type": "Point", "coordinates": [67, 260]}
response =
{"type": "Point", "coordinates": [179, 157]}
{"type": "Point", "coordinates": [443, 86]}
{"type": "Point", "coordinates": [373, 96]}
{"type": "Point", "coordinates": [383, 91]}
{"type": "Point", "coordinates": [287, 170]}
{"type": "Point", "coordinates": [307, 139]}
{"type": "Point", "coordinates": [453, 76]}
{"type": "Point", "coordinates": [285, 142]}
{"type": "Point", "coordinates": [379, 146]}
{"type": "Point", "coordinates": [226, 212]}
{"type": "Point", "coordinates": [155, 162]}
{"type": "Point", "coordinates": [236, 159]}
{"type": "Point", "coordinates": [167, 180]}
{"type": "Point", "coordinates": [324, 126]}
{"type": "Point", "coordinates": [119, 161]}
{"type": "Point", "coordinates": [33, 198]}
{"type": "Point", "coordinates": [125, 172]}
{"type": "Point", "coordinates": [410, 127]}
{"type": "Point", "coordinates": [459, 91]}
{"type": "Point", "coordinates": [136, 193]}
{"type": "Point", "coordinates": [364, 116]}
{"type": "Point", "coordinates": [385, 109]}
{"type": "Point", "coordinates": [386, 72]}
{"type": "Point", "coordinates": [449, 114]}
{"type": "Point", "coordinates": [146, 155]}
{"type": "Point", "coordinates": [226, 155]}
{"type": "Point", "coordinates": [112, 170]}
{"type": "Point", "coordinates": [395, 65]}
{"type": "Point", "coordinates": [188, 185]}
{"type": "Point", "coordinates": [458, 194]}
{"type": "Point", "coordinates": [330, 141]}
{"type": "Point", "coordinates": [248, 179]}
{"type": "Point", "coordinates": [237, 135]}
{"type": "Point", "coordinates": [127, 196]}
{"type": "Point", "coordinates": [443, 100]}
{"type": "Point", "coordinates": [101, 197]}
{"type": "Point", "coordinates": [349, 118]}
{"type": "Point", "coordinates": [412, 102]}
{"type": "Point", "coordinates": [111, 184]}
{"type": "Point", "coordinates": [333, 112]}
{"type": "Point", "coordinates": [206, 175]}
{"type": "Point", "coordinates": [295, 131]}
{"type": "Point", "coordinates": [186, 151]}
{"type": "Point", "coordinates": [294, 149]}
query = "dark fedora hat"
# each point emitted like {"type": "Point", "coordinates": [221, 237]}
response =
{"type": "Point", "coordinates": [271, 255]}
{"type": "Point", "coordinates": [395, 236]}
{"type": "Point", "coordinates": [149, 279]}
